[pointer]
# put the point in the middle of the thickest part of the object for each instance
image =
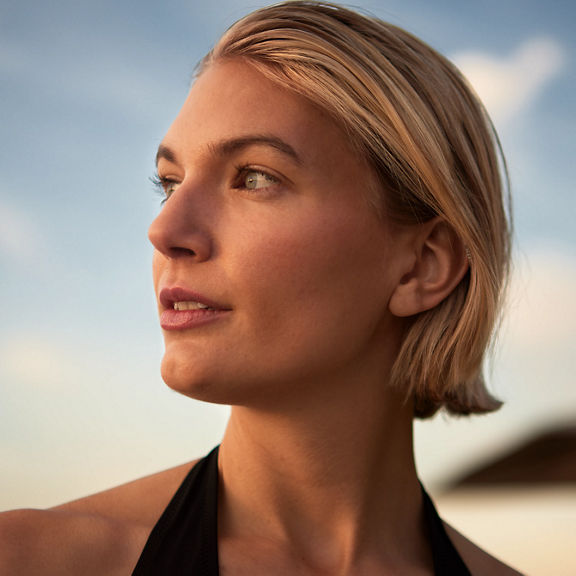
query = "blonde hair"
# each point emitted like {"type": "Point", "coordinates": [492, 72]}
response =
{"type": "Point", "coordinates": [410, 113]}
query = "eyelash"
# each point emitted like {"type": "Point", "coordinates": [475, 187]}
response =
{"type": "Point", "coordinates": [244, 170]}
{"type": "Point", "coordinates": [162, 184]}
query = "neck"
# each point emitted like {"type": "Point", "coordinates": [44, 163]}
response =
{"type": "Point", "coordinates": [335, 475]}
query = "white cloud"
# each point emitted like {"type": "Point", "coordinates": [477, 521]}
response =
{"type": "Point", "coordinates": [510, 85]}
{"type": "Point", "coordinates": [34, 363]}
{"type": "Point", "coordinates": [539, 339]}
{"type": "Point", "coordinates": [18, 236]}
{"type": "Point", "coordinates": [542, 304]}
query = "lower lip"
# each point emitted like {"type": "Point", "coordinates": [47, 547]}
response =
{"type": "Point", "coordinates": [186, 319]}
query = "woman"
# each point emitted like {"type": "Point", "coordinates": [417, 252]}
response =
{"type": "Point", "coordinates": [329, 260]}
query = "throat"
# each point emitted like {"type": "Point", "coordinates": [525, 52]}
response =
{"type": "Point", "coordinates": [332, 494]}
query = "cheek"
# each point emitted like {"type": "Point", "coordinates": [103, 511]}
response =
{"type": "Point", "coordinates": [318, 281]}
{"type": "Point", "coordinates": [333, 257]}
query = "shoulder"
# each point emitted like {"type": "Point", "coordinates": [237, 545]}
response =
{"type": "Point", "coordinates": [479, 562]}
{"type": "Point", "coordinates": [99, 534]}
{"type": "Point", "coordinates": [55, 542]}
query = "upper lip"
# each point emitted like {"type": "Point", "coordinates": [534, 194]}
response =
{"type": "Point", "coordinates": [168, 296]}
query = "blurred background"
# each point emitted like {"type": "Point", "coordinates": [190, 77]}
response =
{"type": "Point", "coordinates": [87, 90]}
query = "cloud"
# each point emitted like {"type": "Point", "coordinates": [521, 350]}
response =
{"type": "Point", "coordinates": [18, 235]}
{"type": "Point", "coordinates": [510, 85]}
{"type": "Point", "coordinates": [34, 363]}
{"type": "Point", "coordinates": [542, 304]}
{"type": "Point", "coordinates": [537, 345]}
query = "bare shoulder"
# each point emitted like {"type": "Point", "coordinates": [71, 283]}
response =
{"type": "Point", "coordinates": [479, 562]}
{"type": "Point", "coordinates": [51, 542]}
{"type": "Point", "coordinates": [138, 502]}
{"type": "Point", "coordinates": [100, 534]}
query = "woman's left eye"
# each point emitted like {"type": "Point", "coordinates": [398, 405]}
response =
{"type": "Point", "coordinates": [256, 179]}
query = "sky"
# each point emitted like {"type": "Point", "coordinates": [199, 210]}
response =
{"type": "Point", "coordinates": [87, 91]}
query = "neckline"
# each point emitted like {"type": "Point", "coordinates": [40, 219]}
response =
{"type": "Point", "coordinates": [185, 539]}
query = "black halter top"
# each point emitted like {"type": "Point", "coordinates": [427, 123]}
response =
{"type": "Point", "coordinates": [184, 542]}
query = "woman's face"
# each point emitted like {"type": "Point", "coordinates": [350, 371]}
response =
{"type": "Point", "coordinates": [272, 271]}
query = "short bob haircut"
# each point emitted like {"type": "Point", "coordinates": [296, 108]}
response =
{"type": "Point", "coordinates": [434, 153]}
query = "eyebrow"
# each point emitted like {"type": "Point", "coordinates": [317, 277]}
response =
{"type": "Point", "coordinates": [233, 145]}
{"type": "Point", "coordinates": [166, 153]}
{"type": "Point", "coordinates": [228, 147]}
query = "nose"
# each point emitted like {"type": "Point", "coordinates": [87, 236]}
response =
{"type": "Point", "coordinates": [181, 227]}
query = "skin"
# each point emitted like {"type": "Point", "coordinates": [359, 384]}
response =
{"type": "Point", "coordinates": [294, 260]}
{"type": "Point", "coordinates": [314, 288]}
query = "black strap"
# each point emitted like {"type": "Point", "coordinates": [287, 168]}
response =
{"type": "Point", "coordinates": [447, 561]}
{"type": "Point", "coordinates": [184, 542]}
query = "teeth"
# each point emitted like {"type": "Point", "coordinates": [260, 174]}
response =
{"type": "Point", "coordinates": [189, 306]}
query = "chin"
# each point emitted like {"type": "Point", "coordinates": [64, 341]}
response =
{"type": "Point", "coordinates": [187, 380]}
{"type": "Point", "coordinates": [200, 381]}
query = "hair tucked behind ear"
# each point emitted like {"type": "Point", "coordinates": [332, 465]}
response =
{"type": "Point", "coordinates": [411, 114]}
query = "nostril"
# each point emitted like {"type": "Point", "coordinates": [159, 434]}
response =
{"type": "Point", "coordinates": [179, 251]}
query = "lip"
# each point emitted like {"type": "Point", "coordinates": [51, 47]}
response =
{"type": "Point", "coordinates": [171, 319]}
{"type": "Point", "coordinates": [167, 297]}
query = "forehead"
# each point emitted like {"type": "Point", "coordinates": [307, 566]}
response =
{"type": "Point", "coordinates": [232, 99]}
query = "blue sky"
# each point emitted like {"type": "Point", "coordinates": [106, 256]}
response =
{"type": "Point", "coordinates": [87, 91]}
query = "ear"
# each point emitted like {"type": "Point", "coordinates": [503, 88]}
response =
{"type": "Point", "coordinates": [438, 265]}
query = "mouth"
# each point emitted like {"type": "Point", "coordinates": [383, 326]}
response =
{"type": "Point", "coordinates": [183, 299]}
{"type": "Point", "coordinates": [182, 309]}
{"type": "Point", "coordinates": [180, 306]}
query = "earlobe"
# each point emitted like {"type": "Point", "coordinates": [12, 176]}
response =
{"type": "Point", "coordinates": [440, 262]}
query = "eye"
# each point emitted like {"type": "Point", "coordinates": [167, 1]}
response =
{"type": "Point", "coordinates": [253, 179]}
{"type": "Point", "coordinates": [164, 186]}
